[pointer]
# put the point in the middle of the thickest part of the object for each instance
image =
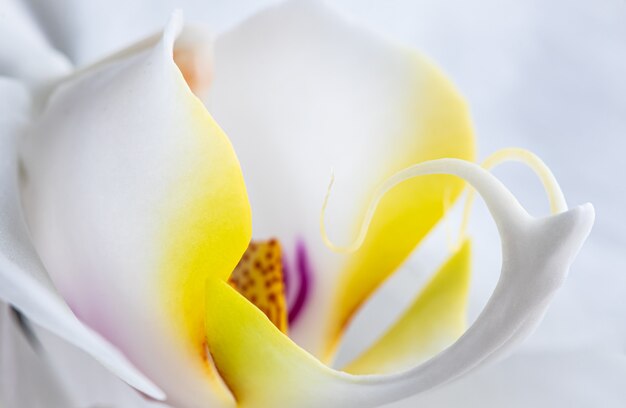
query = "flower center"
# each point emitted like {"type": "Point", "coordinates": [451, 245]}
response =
{"type": "Point", "coordinates": [259, 278]}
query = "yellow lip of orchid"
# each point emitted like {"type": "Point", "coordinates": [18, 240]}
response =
{"type": "Point", "coordinates": [262, 367]}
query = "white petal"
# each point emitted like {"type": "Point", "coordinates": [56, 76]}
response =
{"type": "Point", "coordinates": [26, 379]}
{"type": "Point", "coordinates": [133, 195]}
{"type": "Point", "coordinates": [87, 31]}
{"type": "Point", "coordinates": [86, 381]}
{"type": "Point", "coordinates": [25, 52]}
{"type": "Point", "coordinates": [24, 282]}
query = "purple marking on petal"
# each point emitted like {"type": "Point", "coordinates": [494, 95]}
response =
{"type": "Point", "coordinates": [286, 278]}
{"type": "Point", "coordinates": [303, 268]}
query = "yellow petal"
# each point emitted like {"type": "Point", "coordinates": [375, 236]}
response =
{"type": "Point", "coordinates": [433, 322]}
{"type": "Point", "coordinates": [260, 365]}
{"type": "Point", "coordinates": [409, 211]}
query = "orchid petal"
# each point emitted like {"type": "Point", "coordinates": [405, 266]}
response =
{"type": "Point", "coordinates": [433, 321]}
{"type": "Point", "coordinates": [25, 52]}
{"type": "Point", "coordinates": [104, 27]}
{"type": "Point", "coordinates": [299, 90]}
{"type": "Point", "coordinates": [193, 55]}
{"type": "Point", "coordinates": [23, 279]}
{"type": "Point", "coordinates": [134, 196]}
{"type": "Point", "coordinates": [26, 379]}
{"type": "Point", "coordinates": [98, 387]}
{"type": "Point", "coordinates": [40, 370]}
{"type": "Point", "coordinates": [263, 367]}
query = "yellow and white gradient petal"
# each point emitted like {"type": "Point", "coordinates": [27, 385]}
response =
{"type": "Point", "coordinates": [263, 367]}
{"type": "Point", "coordinates": [302, 90]}
{"type": "Point", "coordinates": [134, 197]}
{"type": "Point", "coordinates": [435, 319]}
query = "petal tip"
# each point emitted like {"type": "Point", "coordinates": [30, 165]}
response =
{"type": "Point", "coordinates": [173, 28]}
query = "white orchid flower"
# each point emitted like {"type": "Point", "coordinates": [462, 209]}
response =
{"type": "Point", "coordinates": [127, 230]}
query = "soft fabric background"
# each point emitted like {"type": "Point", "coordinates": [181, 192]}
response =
{"type": "Point", "coordinates": [547, 76]}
